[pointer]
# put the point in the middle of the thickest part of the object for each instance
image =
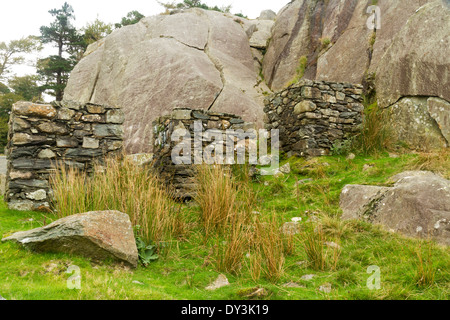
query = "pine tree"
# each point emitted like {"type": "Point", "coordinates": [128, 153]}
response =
{"type": "Point", "coordinates": [132, 17]}
{"type": "Point", "coordinates": [55, 69]}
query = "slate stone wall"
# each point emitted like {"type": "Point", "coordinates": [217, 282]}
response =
{"type": "Point", "coordinates": [313, 115]}
{"type": "Point", "coordinates": [41, 135]}
{"type": "Point", "coordinates": [180, 177]}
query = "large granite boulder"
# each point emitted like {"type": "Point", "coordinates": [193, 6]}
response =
{"type": "Point", "coordinates": [213, 61]}
{"type": "Point", "coordinates": [340, 47]}
{"type": "Point", "coordinates": [407, 56]}
{"type": "Point", "coordinates": [417, 205]}
{"type": "Point", "coordinates": [196, 59]}
{"type": "Point", "coordinates": [98, 235]}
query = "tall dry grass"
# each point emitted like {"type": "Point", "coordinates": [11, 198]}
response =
{"type": "Point", "coordinates": [232, 248]}
{"type": "Point", "coordinates": [268, 243]}
{"type": "Point", "coordinates": [119, 184]}
{"type": "Point", "coordinates": [437, 161]}
{"type": "Point", "coordinates": [227, 214]}
{"type": "Point", "coordinates": [375, 134]}
{"type": "Point", "coordinates": [320, 256]}
{"type": "Point", "coordinates": [222, 199]}
{"type": "Point", "coordinates": [425, 272]}
{"type": "Point", "coordinates": [314, 243]}
{"type": "Point", "coordinates": [225, 211]}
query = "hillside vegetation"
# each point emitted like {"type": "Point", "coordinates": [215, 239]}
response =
{"type": "Point", "coordinates": [269, 265]}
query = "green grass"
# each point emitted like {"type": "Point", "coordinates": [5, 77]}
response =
{"type": "Point", "coordinates": [189, 267]}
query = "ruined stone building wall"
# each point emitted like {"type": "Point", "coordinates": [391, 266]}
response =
{"type": "Point", "coordinates": [42, 135]}
{"type": "Point", "coordinates": [313, 115]}
{"type": "Point", "coordinates": [180, 177]}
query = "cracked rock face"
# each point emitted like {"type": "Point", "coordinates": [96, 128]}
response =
{"type": "Point", "coordinates": [421, 122]}
{"type": "Point", "coordinates": [418, 205]}
{"type": "Point", "coordinates": [408, 54]}
{"type": "Point", "coordinates": [407, 58]}
{"type": "Point", "coordinates": [417, 63]}
{"type": "Point", "coordinates": [196, 59]}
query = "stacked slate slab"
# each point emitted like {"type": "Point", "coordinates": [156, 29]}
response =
{"type": "Point", "coordinates": [64, 133]}
{"type": "Point", "coordinates": [312, 116]}
{"type": "Point", "coordinates": [180, 177]}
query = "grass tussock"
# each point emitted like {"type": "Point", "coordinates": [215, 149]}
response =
{"type": "Point", "coordinates": [268, 248]}
{"type": "Point", "coordinates": [320, 256]}
{"type": "Point", "coordinates": [335, 228]}
{"type": "Point", "coordinates": [217, 196]}
{"type": "Point", "coordinates": [314, 243]}
{"type": "Point", "coordinates": [434, 161]}
{"type": "Point", "coordinates": [231, 250]}
{"type": "Point", "coordinates": [425, 273]}
{"type": "Point", "coordinates": [374, 137]}
{"type": "Point", "coordinates": [228, 215]}
{"type": "Point", "coordinates": [225, 212]}
{"type": "Point", "coordinates": [119, 184]}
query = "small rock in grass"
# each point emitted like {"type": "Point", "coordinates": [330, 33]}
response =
{"type": "Point", "coordinates": [303, 181]}
{"type": "Point", "coordinates": [300, 263]}
{"type": "Point", "coordinates": [254, 293]}
{"type": "Point", "coordinates": [138, 282]}
{"type": "Point", "coordinates": [293, 285]}
{"type": "Point", "coordinates": [393, 155]}
{"type": "Point", "coordinates": [220, 282]}
{"type": "Point", "coordinates": [351, 156]}
{"type": "Point", "coordinates": [307, 277]}
{"type": "Point", "coordinates": [332, 245]}
{"type": "Point", "coordinates": [326, 288]}
{"type": "Point", "coordinates": [286, 168]}
{"type": "Point", "coordinates": [279, 175]}
{"type": "Point", "coordinates": [290, 228]}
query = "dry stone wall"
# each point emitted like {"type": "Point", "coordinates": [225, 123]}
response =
{"type": "Point", "coordinates": [42, 135]}
{"type": "Point", "coordinates": [180, 177]}
{"type": "Point", "coordinates": [313, 115]}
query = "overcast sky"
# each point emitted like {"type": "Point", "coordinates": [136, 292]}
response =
{"type": "Point", "coordinates": [20, 18]}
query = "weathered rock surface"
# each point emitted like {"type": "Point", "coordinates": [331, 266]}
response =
{"type": "Point", "coordinates": [421, 122]}
{"type": "Point", "coordinates": [221, 281]}
{"type": "Point", "coordinates": [418, 205]}
{"type": "Point", "coordinates": [156, 65]}
{"type": "Point", "coordinates": [97, 235]}
{"type": "Point", "coordinates": [417, 62]}
{"type": "Point", "coordinates": [408, 55]}
{"type": "Point", "coordinates": [404, 38]}
{"type": "Point", "coordinates": [259, 33]}
{"type": "Point", "coordinates": [197, 59]}
{"type": "Point", "coordinates": [267, 15]}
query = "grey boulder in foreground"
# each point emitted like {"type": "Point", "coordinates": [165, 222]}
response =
{"type": "Point", "coordinates": [418, 205]}
{"type": "Point", "coordinates": [99, 235]}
